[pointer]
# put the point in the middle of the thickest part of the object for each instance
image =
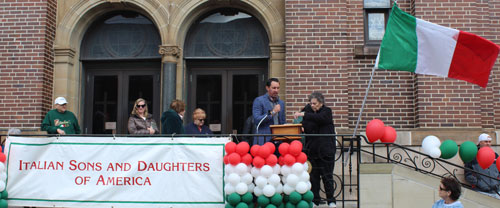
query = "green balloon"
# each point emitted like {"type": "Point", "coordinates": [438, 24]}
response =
{"type": "Point", "coordinates": [5, 195]}
{"type": "Point", "coordinates": [311, 204]}
{"type": "Point", "coordinates": [295, 197]}
{"type": "Point", "coordinates": [271, 206]}
{"type": "Point", "coordinates": [234, 199]}
{"type": "Point", "coordinates": [290, 205]}
{"type": "Point", "coordinates": [308, 196]}
{"type": "Point", "coordinates": [229, 206]}
{"type": "Point", "coordinates": [3, 203]}
{"type": "Point", "coordinates": [303, 204]}
{"type": "Point", "coordinates": [286, 198]}
{"type": "Point", "coordinates": [282, 205]}
{"type": "Point", "coordinates": [263, 200]}
{"type": "Point", "coordinates": [468, 151]}
{"type": "Point", "coordinates": [448, 149]}
{"type": "Point", "coordinates": [247, 198]}
{"type": "Point", "coordinates": [242, 205]}
{"type": "Point", "coordinates": [276, 199]}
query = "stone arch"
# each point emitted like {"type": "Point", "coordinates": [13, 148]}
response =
{"type": "Point", "coordinates": [70, 30]}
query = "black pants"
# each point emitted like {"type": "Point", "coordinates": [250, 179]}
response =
{"type": "Point", "coordinates": [322, 169]}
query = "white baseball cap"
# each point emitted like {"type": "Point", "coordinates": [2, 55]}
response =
{"type": "Point", "coordinates": [483, 137]}
{"type": "Point", "coordinates": [60, 101]}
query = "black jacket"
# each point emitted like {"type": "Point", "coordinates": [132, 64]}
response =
{"type": "Point", "coordinates": [319, 122]}
{"type": "Point", "coordinates": [483, 183]}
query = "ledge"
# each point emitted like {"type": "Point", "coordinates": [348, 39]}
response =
{"type": "Point", "coordinates": [366, 51]}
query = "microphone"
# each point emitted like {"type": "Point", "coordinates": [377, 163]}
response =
{"type": "Point", "coordinates": [268, 114]}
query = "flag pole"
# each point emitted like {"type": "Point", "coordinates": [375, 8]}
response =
{"type": "Point", "coordinates": [360, 113]}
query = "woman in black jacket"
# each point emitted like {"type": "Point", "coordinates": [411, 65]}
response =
{"type": "Point", "coordinates": [317, 119]}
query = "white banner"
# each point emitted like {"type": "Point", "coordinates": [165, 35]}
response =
{"type": "Point", "coordinates": [115, 172]}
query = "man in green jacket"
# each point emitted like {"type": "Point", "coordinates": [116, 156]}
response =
{"type": "Point", "coordinates": [60, 120]}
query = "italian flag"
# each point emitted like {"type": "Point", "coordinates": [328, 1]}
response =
{"type": "Point", "coordinates": [414, 45]}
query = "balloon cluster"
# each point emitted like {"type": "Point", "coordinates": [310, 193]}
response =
{"type": "Point", "coordinates": [376, 129]}
{"type": "Point", "coordinates": [294, 170]}
{"type": "Point", "coordinates": [237, 166]}
{"type": "Point", "coordinates": [3, 178]}
{"type": "Point", "coordinates": [432, 146]}
{"type": "Point", "coordinates": [299, 200]}
{"type": "Point", "coordinates": [268, 187]}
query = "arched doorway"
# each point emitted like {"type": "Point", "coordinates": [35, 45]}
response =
{"type": "Point", "coordinates": [226, 53]}
{"type": "Point", "coordinates": [119, 55]}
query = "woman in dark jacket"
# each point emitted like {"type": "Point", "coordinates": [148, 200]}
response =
{"type": "Point", "coordinates": [198, 125]}
{"type": "Point", "coordinates": [140, 121]}
{"type": "Point", "coordinates": [171, 120]}
{"type": "Point", "coordinates": [317, 119]}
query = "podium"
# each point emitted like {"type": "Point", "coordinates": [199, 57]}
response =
{"type": "Point", "coordinates": [286, 129]}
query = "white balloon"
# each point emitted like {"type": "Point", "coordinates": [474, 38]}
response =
{"type": "Point", "coordinates": [276, 169]}
{"type": "Point", "coordinates": [241, 168]}
{"type": "Point", "coordinates": [301, 187]}
{"type": "Point", "coordinates": [3, 176]}
{"type": "Point", "coordinates": [435, 152]}
{"type": "Point", "coordinates": [229, 169]}
{"type": "Point", "coordinates": [260, 181]}
{"type": "Point", "coordinates": [429, 143]}
{"type": "Point", "coordinates": [297, 168]}
{"type": "Point", "coordinates": [2, 185]}
{"type": "Point", "coordinates": [255, 172]}
{"type": "Point", "coordinates": [233, 179]}
{"type": "Point", "coordinates": [304, 176]}
{"type": "Point", "coordinates": [285, 170]}
{"type": "Point", "coordinates": [274, 179]}
{"type": "Point", "coordinates": [306, 166]}
{"type": "Point", "coordinates": [257, 191]}
{"type": "Point", "coordinates": [292, 180]}
{"type": "Point", "coordinates": [279, 188]}
{"type": "Point", "coordinates": [287, 189]}
{"type": "Point", "coordinates": [309, 185]}
{"type": "Point", "coordinates": [251, 187]}
{"type": "Point", "coordinates": [2, 167]}
{"type": "Point", "coordinates": [247, 178]}
{"type": "Point", "coordinates": [241, 188]}
{"type": "Point", "coordinates": [266, 170]}
{"type": "Point", "coordinates": [229, 189]}
{"type": "Point", "coordinates": [269, 190]}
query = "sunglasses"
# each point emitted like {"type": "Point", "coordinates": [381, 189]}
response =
{"type": "Point", "coordinates": [442, 189]}
{"type": "Point", "coordinates": [141, 106]}
{"type": "Point", "coordinates": [201, 120]}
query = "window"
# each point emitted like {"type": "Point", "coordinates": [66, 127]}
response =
{"type": "Point", "coordinates": [376, 14]}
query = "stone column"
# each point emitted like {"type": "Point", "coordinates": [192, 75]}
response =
{"type": "Point", "coordinates": [170, 55]}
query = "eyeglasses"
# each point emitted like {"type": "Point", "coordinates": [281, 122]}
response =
{"type": "Point", "coordinates": [141, 106]}
{"type": "Point", "coordinates": [201, 120]}
{"type": "Point", "coordinates": [442, 189]}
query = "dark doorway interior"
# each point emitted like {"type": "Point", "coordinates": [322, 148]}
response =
{"type": "Point", "coordinates": [111, 91]}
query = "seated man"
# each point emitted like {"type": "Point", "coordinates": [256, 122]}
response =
{"type": "Point", "coordinates": [483, 184]}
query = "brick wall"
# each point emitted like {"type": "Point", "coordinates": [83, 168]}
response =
{"type": "Point", "coordinates": [27, 30]}
{"type": "Point", "coordinates": [321, 36]}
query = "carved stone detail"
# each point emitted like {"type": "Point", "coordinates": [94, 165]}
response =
{"type": "Point", "coordinates": [170, 50]}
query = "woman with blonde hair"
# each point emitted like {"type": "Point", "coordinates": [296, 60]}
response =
{"type": "Point", "coordinates": [140, 121]}
{"type": "Point", "coordinates": [197, 126]}
{"type": "Point", "coordinates": [171, 120]}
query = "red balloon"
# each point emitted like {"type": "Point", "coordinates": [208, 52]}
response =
{"type": "Point", "coordinates": [485, 157]}
{"type": "Point", "coordinates": [498, 164]}
{"type": "Point", "coordinates": [270, 146]}
{"type": "Point", "coordinates": [230, 147]}
{"type": "Point", "coordinates": [242, 148]}
{"type": "Point", "coordinates": [2, 157]}
{"type": "Point", "coordinates": [375, 130]}
{"type": "Point", "coordinates": [258, 162]}
{"type": "Point", "coordinates": [234, 158]}
{"type": "Point", "coordinates": [271, 160]}
{"type": "Point", "coordinates": [264, 152]}
{"type": "Point", "coordinates": [281, 160]}
{"type": "Point", "coordinates": [255, 150]}
{"type": "Point", "coordinates": [247, 159]}
{"type": "Point", "coordinates": [389, 135]}
{"type": "Point", "coordinates": [226, 159]}
{"type": "Point", "coordinates": [302, 158]}
{"type": "Point", "coordinates": [295, 148]}
{"type": "Point", "coordinates": [289, 159]}
{"type": "Point", "coordinates": [283, 148]}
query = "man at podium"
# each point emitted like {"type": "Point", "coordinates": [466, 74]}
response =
{"type": "Point", "coordinates": [268, 110]}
